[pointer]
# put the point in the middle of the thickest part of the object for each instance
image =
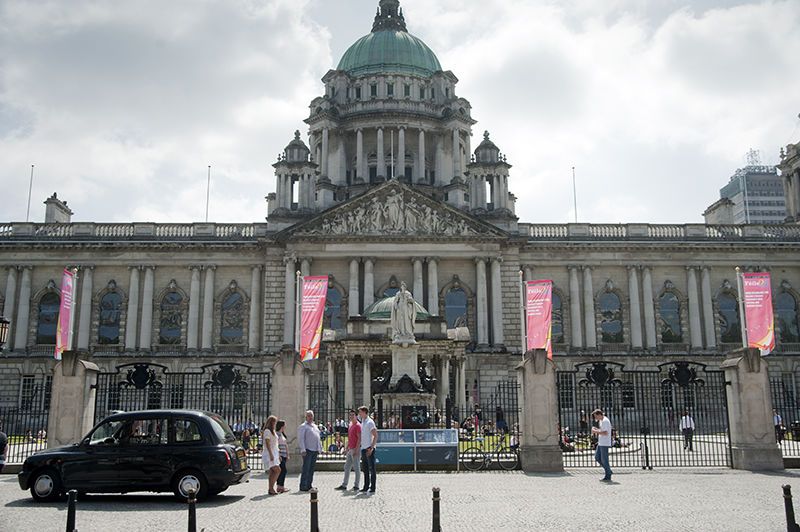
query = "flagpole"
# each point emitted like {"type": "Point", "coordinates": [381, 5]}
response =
{"type": "Point", "coordinates": [522, 328]}
{"type": "Point", "coordinates": [742, 315]}
{"type": "Point", "coordinates": [297, 309]}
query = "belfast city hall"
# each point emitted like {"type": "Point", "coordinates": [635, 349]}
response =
{"type": "Point", "coordinates": [389, 182]}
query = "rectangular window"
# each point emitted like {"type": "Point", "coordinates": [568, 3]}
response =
{"type": "Point", "coordinates": [48, 391]}
{"type": "Point", "coordinates": [187, 431]}
{"type": "Point", "coordinates": [149, 432]}
{"type": "Point", "coordinates": [358, 93]}
{"type": "Point", "coordinates": [433, 93]}
{"type": "Point", "coordinates": [27, 393]}
{"type": "Point", "coordinates": [447, 92]}
{"type": "Point", "coordinates": [373, 90]}
{"type": "Point", "coordinates": [566, 391]}
{"type": "Point", "coordinates": [422, 93]}
{"type": "Point", "coordinates": [390, 89]}
{"type": "Point", "coordinates": [407, 90]}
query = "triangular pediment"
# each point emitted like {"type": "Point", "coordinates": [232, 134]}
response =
{"type": "Point", "coordinates": [393, 210]}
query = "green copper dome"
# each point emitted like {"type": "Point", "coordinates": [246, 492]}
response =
{"type": "Point", "coordinates": [389, 52]}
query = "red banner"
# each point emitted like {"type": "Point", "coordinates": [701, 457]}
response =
{"type": "Point", "coordinates": [315, 291]}
{"type": "Point", "coordinates": [759, 320]}
{"type": "Point", "coordinates": [539, 314]}
{"type": "Point", "coordinates": [66, 314]}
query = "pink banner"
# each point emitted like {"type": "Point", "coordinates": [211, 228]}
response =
{"type": "Point", "coordinates": [539, 314]}
{"type": "Point", "coordinates": [759, 320]}
{"type": "Point", "coordinates": [65, 314]}
{"type": "Point", "coordinates": [315, 291]}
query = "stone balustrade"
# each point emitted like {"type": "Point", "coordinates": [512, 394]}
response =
{"type": "Point", "coordinates": [131, 231]}
{"type": "Point", "coordinates": [660, 232]}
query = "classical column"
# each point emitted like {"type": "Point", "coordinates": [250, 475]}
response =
{"type": "Point", "coordinates": [575, 307]}
{"type": "Point", "coordinates": [421, 157]}
{"type": "Point", "coordinates": [310, 191]}
{"type": "Point", "coordinates": [366, 394]}
{"type": "Point", "coordinates": [496, 191]}
{"type": "Point", "coordinates": [324, 155]}
{"type": "Point", "coordinates": [85, 317]}
{"type": "Point", "coordinates": [331, 382]}
{"type": "Point", "coordinates": [588, 308]}
{"type": "Point", "coordinates": [636, 311]}
{"type": "Point", "coordinates": [193, 324]}
{"type": "Point", "coordinates": [649, 311]}
{"type": "Point", "coordinates": [359, 154]}
{"type": "Point", "coordinates": [462, 389]}
{"type": "Point", "coordinates": [439, 160]}
{"type": "Point", "coordinates": [708, 310]}
{"type": "Point", "coordinates": [400, 162]}
{"type": "Point", "coordinates": [498, 338]}
{"type": "Point", "coordinates": [369, 281]}
{"type": "Point", "coordinates": [528, 270]}
{"type": "Point", "coordinates": [348, 382]}
{"type": "Point", "coordinates": [208, 309]}
{"type": "Point", "coordinates": [133, 310]}
{"type": "Point", "coordinates": [456, 153]}
{"type": "Point", "coordinates": [255, 303]}
{"type": "Point", "coordinates": [381, 170]}
{"type": "Point", "coordinates": [305, 267]}
{"type": "Point", "coordinates": [695, 329]}
{"type": "Point", "coordinates": [288, 300]}
{"type": "Point", "coordinates": [433, 286]}
{"type": "Point", "coordinates": [417, 291]}
{"type": "Point", "coordinates": [23, 310]}
{"type": "Point", "coordinates": [483, 324]}
{"type": "Point", "coordinates": [146, 329]}
{"type": "Point", "coordinates": [11, 301]}
{"type": "Point", "coordinates": [288, 189]}
{"type": "Point", "coordinates": [352, 300]}
{"type": "Point", "coordinates": [279, 194]}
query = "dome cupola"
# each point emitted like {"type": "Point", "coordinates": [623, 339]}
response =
{"type": "Point", "coordinates": [296, 151]}
{"type": "Point", "coordinates": [487, 151]}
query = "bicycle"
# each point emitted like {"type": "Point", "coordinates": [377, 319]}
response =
{"type": "Point", "coordinates": [474, 458]}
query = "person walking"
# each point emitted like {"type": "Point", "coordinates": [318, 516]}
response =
{"type": "Point", "coordinates": [603, 433]}
{"type": "Point", "coordinates": [271, 457]}
{"type": "Point", "coordinates": [687, 428]}
{"type": "Point", "coordinates": [353, 453]}
{"type": "Point", "coordinates": [310, 445]}
{"type": "Point", "coordinates": [283, 452]}
{"type": "Point", "coordinates": [777, 420]}
{"type": "Point", "coordinates": [369, 440]}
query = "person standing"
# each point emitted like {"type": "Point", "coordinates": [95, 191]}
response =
{"type": "Point", "coordinates": [369, 440]}
{"type": "Point", "coordinates": [283, 452]}
{"type": "Point", "coordinates": [353, 456]}
{"type": "Point", "coordinates": [687, 428]}
{"type": "Point", "coordinates": [3, 445]}
{"type": "Point", "coordinates": [270, 456]}
{"type": "Point", "coordinates": [310, 445]}
{"type": "Point", "coordinates": [777, 420]}
{"type": "Point", "coordinates": [603, 433]}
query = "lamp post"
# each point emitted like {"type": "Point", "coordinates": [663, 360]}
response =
{"type": "Point", "coordinates": [3, 332]}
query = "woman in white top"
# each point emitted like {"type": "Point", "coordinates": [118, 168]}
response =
{"type": "Point", "coordinates": [272, 460]}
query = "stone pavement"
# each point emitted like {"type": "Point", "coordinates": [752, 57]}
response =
{"type": "Point", "coordinates": [709, 499]}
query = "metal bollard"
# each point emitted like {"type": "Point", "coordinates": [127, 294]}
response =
{"type": "Point", "coordinates": [791, 524]}
{"type": "Point", "coordinates": [314, 511]}
{"type": "Point", "coordinates": [73, 496]}
{"type": "Point", "coordinates": [192, 511]}
{"type": "Point", "coordinates": [437, 518]}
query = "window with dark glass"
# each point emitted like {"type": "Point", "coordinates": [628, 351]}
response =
{"type": "Point", "coordinates": [422, 93]}
{"type": "Point", "coordinates": [48, 319]}
{"type": "Point", "coordinates": [390, 89]}
{"type": "Point", "coordinates": [171, 319]}
{"type": "Point", "coordinates": [669, 308]}
{"type": "Point", "coordinates": [232, 330]}
{"type": "Point", "coordinates": [28, 393]}
{"type": "Point", "coordinates": [611, 312]}
{"type": "Point", "coordinates": [373, 90]}
{"type": "Point", "coordinates": [110, 313]}
{"type": "Point", "coordinates": [786, 315]}
{"type": "Point", "coordinates": [358, 93]}
{"type": "Point", "coordinates": [333, 310]}
{"type": "Point", "coordinates": [407, 90]}
{"type": "Point", "coordinates": [557, 322]}
{"type": "Point", "coordinates": [455, 308]}
{"type": "Point", "coordinates": [730, 330]}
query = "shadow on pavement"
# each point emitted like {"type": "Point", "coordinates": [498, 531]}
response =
{"type": "Point", "coordinates": [128, 503]}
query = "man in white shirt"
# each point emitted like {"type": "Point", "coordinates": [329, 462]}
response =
{"type": "Point", "coordinates": [687, 428]}
{"type": "Point", "coordinates": [603, 433]}
{"type": "Point", "coordinates": [369, 440]}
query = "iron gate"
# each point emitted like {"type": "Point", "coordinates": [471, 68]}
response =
{"type": "Point", "coordinates": [645, 408]}
{"type": "Point", "coordinates": [237, 392]}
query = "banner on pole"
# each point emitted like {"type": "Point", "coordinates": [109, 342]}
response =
{"type": "Point", "coordinates": [758, 316]}
{"type": "Point", "coordinates": [66, 313]}
{"type": "Point", "coordinates": [315, 291]}
{"type": "Point", "coordinates": [539, 315]}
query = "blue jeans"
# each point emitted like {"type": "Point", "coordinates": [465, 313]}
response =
{"type": "Point", "coordinates": [307, 476]}
{"type": "Point", "coordinates": [368, 465]}
{"type": "Point", "coordinates": [601, 457]}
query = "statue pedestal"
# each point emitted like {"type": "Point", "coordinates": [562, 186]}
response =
{"type": "Point", "coordinates": [404, 362]}
{"type": "Point", "coordinates": [393, 401]}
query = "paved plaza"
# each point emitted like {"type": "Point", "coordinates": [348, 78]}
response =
{"type": "Point", "coordinates": [709, 499]}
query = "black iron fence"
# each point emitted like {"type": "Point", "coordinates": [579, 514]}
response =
{"type": "Point", "coordinates": [24, 412]}
{"type": "Point", "coordinates": [238, 393]}
{"type": "Point", "coordinates": [786, 416]}
{"type": "Point", "coordinates": [672, 416]}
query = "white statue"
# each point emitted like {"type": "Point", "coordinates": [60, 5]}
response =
{"type": "Point", "coordinates": [403, 317]}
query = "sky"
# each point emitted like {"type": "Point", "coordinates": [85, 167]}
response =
{"type": "Point", "coordinates": [122, 106]}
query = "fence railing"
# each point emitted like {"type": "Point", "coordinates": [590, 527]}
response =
{"type": "Point", "coordinates": [787, 422]}
{"type": "Point", "coordinates": [26, 431]}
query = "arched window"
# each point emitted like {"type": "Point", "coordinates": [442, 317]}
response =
{"type": "Point", "coordinates": [611, 312]}
{"type": "Point", "coordinates": [557, 323]}
{"type": "Point", "coordinates": [333, 319]}
{"type": "Point", "coordinates": [232, 330]}
{"type": "Point", "coordinates": [48, 319]}
{"type": "Point", "coordinates": [455, 308]}
{"type": "Point", "coordinates": [786, 315]}
{"type": "Point", "coordinates": [730, 330]}
{"type": "Point", "coordinates": [110, 312]}
{"type": "Point", "coordinates": [669, 308]}
{"type": "Point", "coordinates": [171, 319]}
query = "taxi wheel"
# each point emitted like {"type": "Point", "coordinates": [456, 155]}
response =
{"type": "Point", "coordinates": [189, 480]}
{"type": "Point", "coordinates": [46, 485]}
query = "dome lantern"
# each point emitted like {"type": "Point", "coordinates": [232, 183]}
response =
{"type": "Point", "coordinates": [296, 151]}
{"type": "Point", "coordinates": [487, 151]}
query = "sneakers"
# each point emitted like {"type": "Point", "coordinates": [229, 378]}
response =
{"type": "Point", "coordinates": [340, 488]}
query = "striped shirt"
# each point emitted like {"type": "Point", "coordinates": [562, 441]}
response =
{"type": "Point", "coordinates": [283, 449]}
